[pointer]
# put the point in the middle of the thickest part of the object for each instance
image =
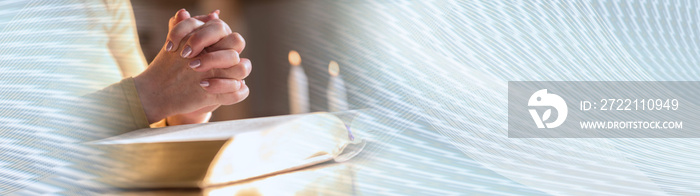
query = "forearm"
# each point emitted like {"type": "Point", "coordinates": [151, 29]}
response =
{"type": "Point", "coordinates": [116, 108]}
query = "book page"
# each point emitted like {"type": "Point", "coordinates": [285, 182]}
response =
{"type": "Point", "coordinates": [198, 132]}
{"type": "Point", "coordinates": [302, 142]}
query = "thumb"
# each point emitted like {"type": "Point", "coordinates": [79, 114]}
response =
{"type": "Point", "coordinates": [180, 15]}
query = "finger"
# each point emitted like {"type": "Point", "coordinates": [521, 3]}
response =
{"type": "Point", "coordinates": [180, 15]}
{"type": "Point", "coordinates": [220, 85]}
{"type": "Point", "coordinates": [234, 97]}
{"type": "Point", "coordinates": [239, 71]}
{"type": "Point", "coordinates": [232, 41]}
{"type": "Point", "coordinates": [206, 18]}
{"type": "Point", "coordinates": [181, 30]}
{"type": "Point", "coordinates": [183, 14]}
{"type": "Point", "coordinates": [207, 35]}
{"type": "Point", "coordinates": [217, 59]}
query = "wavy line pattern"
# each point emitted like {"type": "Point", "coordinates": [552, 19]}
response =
{"type": "Point", "coordinates": [435, 74]}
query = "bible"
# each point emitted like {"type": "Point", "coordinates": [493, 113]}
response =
{"type": "Point", "coordinates": [210, 154]}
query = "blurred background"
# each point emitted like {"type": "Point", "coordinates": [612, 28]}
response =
{"type": "Point", "coordinates": [268, 42]}
{"type": "Point", "coordinates": [433, 74]}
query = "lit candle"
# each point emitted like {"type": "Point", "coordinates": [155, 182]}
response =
{"type": "Point", "coordinates": [298, 85]}
{"type": "Point", "coordinates": [337, 100]}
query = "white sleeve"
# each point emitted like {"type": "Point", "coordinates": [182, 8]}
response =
{"type": "Point", "coordinates": [123, 38]}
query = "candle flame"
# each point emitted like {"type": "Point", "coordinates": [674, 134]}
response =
{"type": "Point", "coordinates": [294, 58]}
{"type": "Point", "coordinates": [333, 68]}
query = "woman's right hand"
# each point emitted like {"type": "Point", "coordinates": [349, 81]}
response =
{"type": "Point", "coordinates": [198, 68]}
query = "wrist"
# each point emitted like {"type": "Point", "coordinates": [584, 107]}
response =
{"type": "Point", "coordinates": [150, 101]}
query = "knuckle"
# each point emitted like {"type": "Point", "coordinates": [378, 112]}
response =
{"type": "Point", "coordinates": [190, 20]}
{"type": "Point", "coordinates": [247, 64]}
{"type": "Point", "coordinates": [238, 38]}
{"type": "Point", "coordinates": [220, 25]}
{"type": "Point", "coordinates": [216, 21]}
{"type": "Point", "coordinates": [240, 71]}
{"type": "Point", "coordinates": [243, 95]}
{"type": "Point", "coordinates": [232, 56]}
{"type": "Point", "coordinates": [248, 70]}
{"type": "Point", "coordinates": [186, 22]}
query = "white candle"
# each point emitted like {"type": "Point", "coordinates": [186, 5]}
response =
{"type": "Point", "coordinates": [298, 85]}
{"type": "Point", "coordinates": [337, 99]}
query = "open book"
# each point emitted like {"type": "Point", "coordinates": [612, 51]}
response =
{"type": "Point", "coordinates": [209, 154]}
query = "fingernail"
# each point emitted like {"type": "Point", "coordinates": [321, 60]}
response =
{"type": "Point", "coordinates": [204, 83]}
{"type": "Point", "coordinates": [169, 47]}
{"type": "Point", "coordinates": [195, 63]}
{"type": "Point", "coordinates": [186, 52]}
{"type": "Point", "coordinates": [243, 81]}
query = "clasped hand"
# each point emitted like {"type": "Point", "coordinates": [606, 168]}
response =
{"type": "Point", "coordinates": [197, 70]}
